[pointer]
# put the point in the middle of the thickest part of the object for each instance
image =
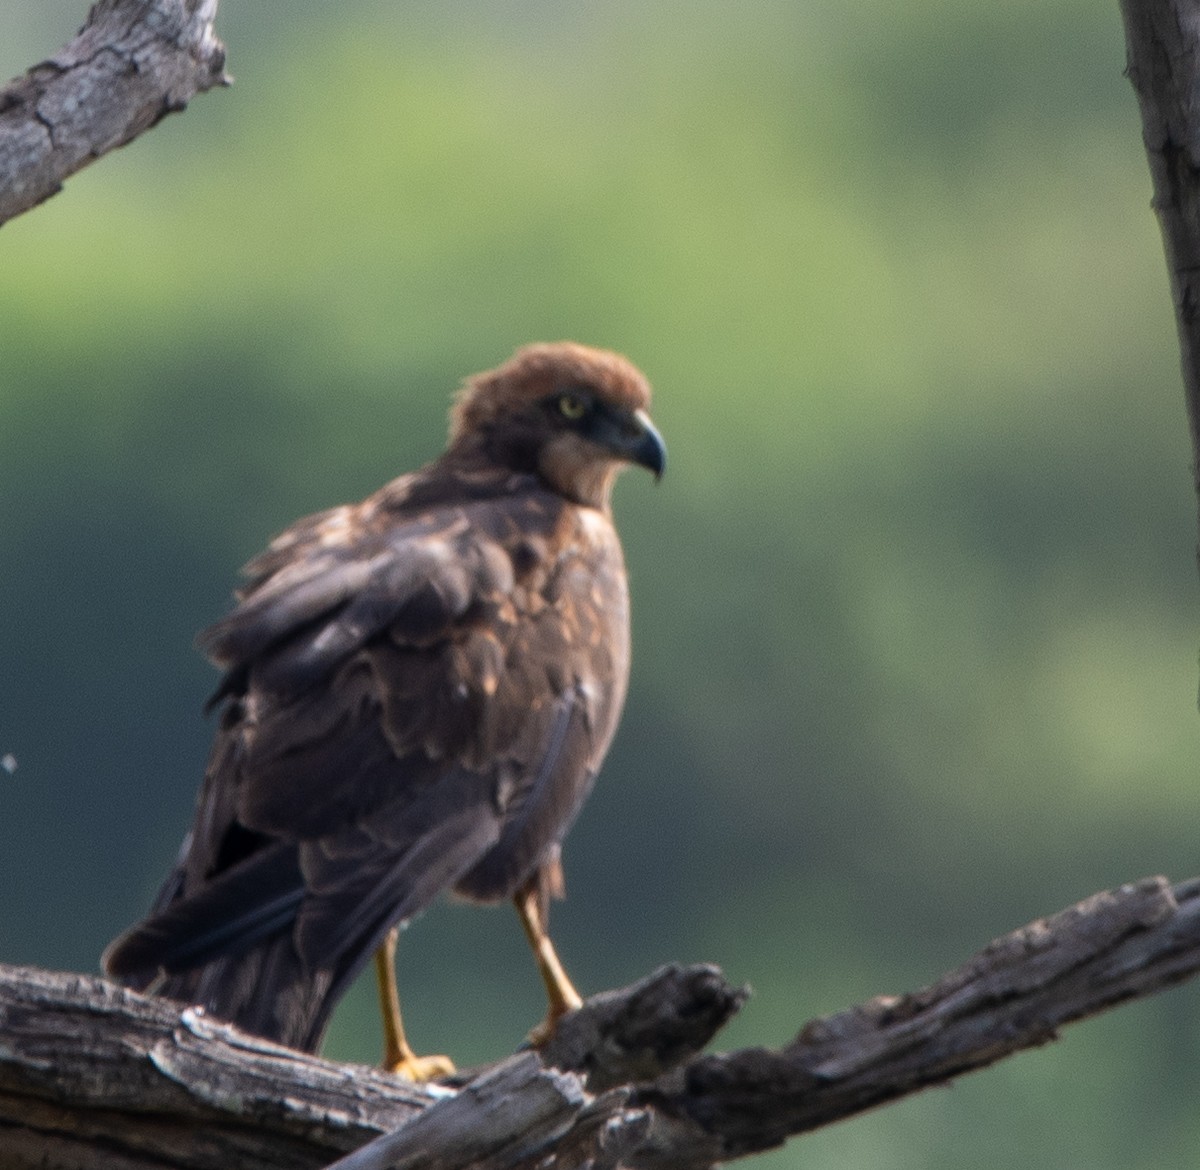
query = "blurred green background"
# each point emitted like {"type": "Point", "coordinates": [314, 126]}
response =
{"type": "Point", "coordinates": [915, 607]}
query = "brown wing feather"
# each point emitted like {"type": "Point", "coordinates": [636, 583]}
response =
{"type": "Point", "coordinates": [417, 698]}
{"type": "Point", "coordinates": [419, 691]}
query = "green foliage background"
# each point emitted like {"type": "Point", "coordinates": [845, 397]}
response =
{"type": "Point", "coordinates": [915, 608]}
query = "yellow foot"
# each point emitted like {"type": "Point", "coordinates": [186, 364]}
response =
{"type": "Point", "coordinates": [539, 1035]}
{"type": "Point", "coordinates": [420, 1068]}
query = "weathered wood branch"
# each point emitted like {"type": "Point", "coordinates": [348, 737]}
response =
{"type": "Point", "coordinates": [1162, 40]}
{"type": "Point", "coordinates": [95, 1076]}
{"type": "Point", "coordinates": [1014, 994]}
{"type": "Point", "coordinates": [133, 62]}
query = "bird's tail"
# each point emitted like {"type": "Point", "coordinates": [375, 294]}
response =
{"type": "Point", "coordinates": [231, 949]}
{"type": "Point", "coordinates": [266, 990]}
{"type": "Point", "coordinates": [272, 947]}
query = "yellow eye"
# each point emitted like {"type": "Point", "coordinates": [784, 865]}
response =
{"type": "Point", "coordinates": [572, 406]}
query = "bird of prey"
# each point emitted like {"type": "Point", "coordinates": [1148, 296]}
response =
{"type": "Point", "coordinates": [419, 690]}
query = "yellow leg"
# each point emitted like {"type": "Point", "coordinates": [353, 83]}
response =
{"type": "Point", "coordinates": [398, 1057]}
{"type": "Point", "coordinates": [560, 992]}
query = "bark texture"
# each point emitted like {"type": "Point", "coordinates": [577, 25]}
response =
{"type": "Point", "coordinates": [1162, 40]}
{"type": "Point", "coordinates": [133, 62]}
{"type": "Point", "coordinates": [93, 1076]}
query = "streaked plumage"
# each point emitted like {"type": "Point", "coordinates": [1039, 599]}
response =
{"type": "Point", "coordinates": [419, 691]}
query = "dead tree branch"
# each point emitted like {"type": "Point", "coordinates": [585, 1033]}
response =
{"type": "Point", "coordinates": [1163, 51]}
{"type": "Point", "coordinates": [95, 1076]}
{"type": "Point", "coordinates": [133, 62]}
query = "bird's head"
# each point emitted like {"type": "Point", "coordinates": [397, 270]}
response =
{"type": "Point", "coordinates": [569, 413]}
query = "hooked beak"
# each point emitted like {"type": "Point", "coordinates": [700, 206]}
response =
{"type": "Point", "coordinates": [642, 444]}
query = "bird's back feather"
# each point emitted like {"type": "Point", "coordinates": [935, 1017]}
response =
{"type": "Point", "coordinates": [418, 693]}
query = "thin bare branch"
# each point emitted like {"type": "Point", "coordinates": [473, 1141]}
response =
{"type": "Point", "coordinates": [133, 62]}
{"type": "Point", "coordinates": [1162, 40]}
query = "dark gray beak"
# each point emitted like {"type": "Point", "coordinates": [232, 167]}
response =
{"type": "Point", "coordinates": [645, 445]}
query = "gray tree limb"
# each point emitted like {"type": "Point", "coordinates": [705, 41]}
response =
{"type": "Point", "coordinates": [1162, 39]}
{"type": "Point", "coordinates": [133, 62]}
{"type": "Point", "coordinates": [94, 1076]}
